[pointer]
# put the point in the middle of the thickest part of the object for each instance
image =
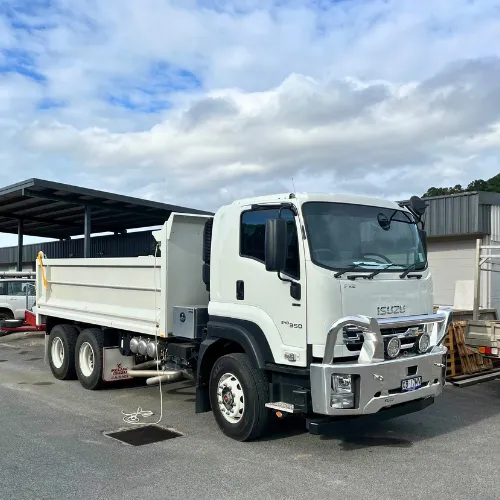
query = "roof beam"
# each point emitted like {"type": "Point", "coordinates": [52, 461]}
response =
{"type": "Point", "coordinates": [114, 207]}
{"type": "Point", "coordinates": [35, 218]}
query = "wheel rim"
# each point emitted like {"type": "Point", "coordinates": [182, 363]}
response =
{"type": "Point", "coordinates": [86, 358]}
{"type": "Point", "coordinates": [230, 398]}
{"type": "Point", "coordinates": [57, 352]}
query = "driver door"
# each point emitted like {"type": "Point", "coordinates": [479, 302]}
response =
{"type": "Point", "coordinates": [265, 293]}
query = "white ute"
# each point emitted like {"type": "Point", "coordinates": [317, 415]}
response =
{"type": "Point", "coordinates": [315, 305]}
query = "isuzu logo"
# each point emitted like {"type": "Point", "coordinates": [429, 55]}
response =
{"type": "Point", "coordinates": [390, 310]}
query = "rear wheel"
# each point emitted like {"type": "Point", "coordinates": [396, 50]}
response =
{"type": "Point", "coordinates": [62, 342]}
{"type": "Point", "coordinates": [238, 394]}
{"type": "Point", "coordinates": [89, 353]}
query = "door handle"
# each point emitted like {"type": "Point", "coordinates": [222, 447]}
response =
{"type": "Point", "coordinates": [240, 290]}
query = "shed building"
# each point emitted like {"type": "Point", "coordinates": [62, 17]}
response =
{"type": "Point", "coordinates": [453, 225]}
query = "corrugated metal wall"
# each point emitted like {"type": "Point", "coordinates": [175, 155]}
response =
{"type": "Point", "coordinates": [123, 245]}
{"type": "Point", "coordinates": [495, 222]}
{"type": "Point", "coordinates": [457, 215]}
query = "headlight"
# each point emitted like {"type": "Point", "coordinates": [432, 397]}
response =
{"type": "Point", "coordinates": [342, 391]}
{"type": "Point", "coordinates": [342, 383]}
{"type": "Point", "coordinates": [424, 342]}
{"type": "Point", "coordinates": [393, 347]}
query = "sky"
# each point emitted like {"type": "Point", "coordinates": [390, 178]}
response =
{"type": "Point", "coordinates": [200, 102]}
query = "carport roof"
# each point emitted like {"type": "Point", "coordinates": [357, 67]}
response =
{"type": "Point", "coordinates": [54, 210]}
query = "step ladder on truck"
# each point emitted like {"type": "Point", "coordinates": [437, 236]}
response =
{"type": "Point", "coordinates": [316, 306]}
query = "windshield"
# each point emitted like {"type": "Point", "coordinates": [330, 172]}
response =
{"type": "Point", "coordinates": [343, 235]}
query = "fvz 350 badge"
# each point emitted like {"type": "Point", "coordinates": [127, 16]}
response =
{"type": "Point", "coordinates": [291, 325]}
{"type": "Point", "coordinates": [390, 310]}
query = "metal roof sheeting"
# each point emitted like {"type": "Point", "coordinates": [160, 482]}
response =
{"type": "Point", "coordinates": [55, 210]}
{"type": "Point", "coordinates": [456, 215]}
{"type": "Point", "coordinates": [462, 214]}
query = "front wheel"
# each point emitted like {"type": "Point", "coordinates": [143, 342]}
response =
{"type": "Point", "coordinates": [238, 394]}
{"type": "Point", "coordinates": [88, 358]}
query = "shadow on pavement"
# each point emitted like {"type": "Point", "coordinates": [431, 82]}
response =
{"type": "Point", "coordinates": [453, 410]}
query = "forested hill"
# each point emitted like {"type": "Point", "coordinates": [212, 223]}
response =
{"type": "Point", "coordinates": [492, 185]}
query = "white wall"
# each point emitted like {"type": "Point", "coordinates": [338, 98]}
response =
{"type": "Point", "coordinates": [450, 261]}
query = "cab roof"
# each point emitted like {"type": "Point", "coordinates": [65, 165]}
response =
{"type": "Point", "coordinates": [300, 198]}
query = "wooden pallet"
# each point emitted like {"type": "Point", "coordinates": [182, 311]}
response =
{"type": "Point", "coordinates": [461, 359]}
{"type": "Point", "coordinates": [453, 364]}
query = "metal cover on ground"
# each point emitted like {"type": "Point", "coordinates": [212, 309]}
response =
{"type": "Point", "coordinates": [144, 434]}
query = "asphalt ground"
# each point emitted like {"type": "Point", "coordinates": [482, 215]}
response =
{"type": "Point", "coordinates": [53, 445]}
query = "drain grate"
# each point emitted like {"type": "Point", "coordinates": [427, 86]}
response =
{"type": "Point", "coordinates": [142, 435]}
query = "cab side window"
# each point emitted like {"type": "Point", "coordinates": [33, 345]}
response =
{"type": "Point", "coordinates": [253, 233]}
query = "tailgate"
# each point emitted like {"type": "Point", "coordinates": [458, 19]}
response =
{"type": "Point", "coordinates": [483, 333]}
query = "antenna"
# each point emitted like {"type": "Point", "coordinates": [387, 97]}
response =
{"type": "Point", "coordinates": [293, 184]}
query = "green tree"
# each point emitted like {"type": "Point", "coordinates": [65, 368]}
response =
{"type": "Point", "coordinates": [478, 185]}
{"type": "Point", "coordinates": [492, 185]}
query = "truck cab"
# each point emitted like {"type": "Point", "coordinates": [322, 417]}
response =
{"type": "Point", "coordinates": [333, 287]}
{"type": "Point", "coordinates": [344, 256]}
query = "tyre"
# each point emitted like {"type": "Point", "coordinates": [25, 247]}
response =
{"type": "Point", "coordinates": [12, 323]}
{"type": "Point", "coordinates": [238, 394]}
{"type": "Point", "coordinates": [62, 342]}
{"type": "Point", "coordinates": [6, 315]}
{"type": "Point", "coordinates": [88, 362]}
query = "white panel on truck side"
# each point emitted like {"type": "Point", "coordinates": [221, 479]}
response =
{"type": "Point", "coordinates": [116, 293]}
{"type": "Point", "coordinates": [185, 287]}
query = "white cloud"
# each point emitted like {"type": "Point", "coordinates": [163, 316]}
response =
{"type": "Point", "coordinates": [200, 102]}
{"type": "Point", "coordinates": [339, 129]}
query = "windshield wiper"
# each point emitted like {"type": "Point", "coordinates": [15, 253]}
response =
{"type": "Point", "coordinates": [409, 269]}
{"type": "Point", "coordinates": [381, 270]}
{"type": "Point", "coordinates": [353, 267]}
{"type": "Point", "coordinates": [346, 270]}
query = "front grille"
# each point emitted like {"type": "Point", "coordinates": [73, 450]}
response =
{"type": "Point", "coordinates": [353, 338]}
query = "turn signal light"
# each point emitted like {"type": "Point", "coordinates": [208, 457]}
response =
{"type": "Point", "coordinates": [493, 351]}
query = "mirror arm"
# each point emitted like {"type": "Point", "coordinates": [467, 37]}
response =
{"type": "Point", "coordinates": [296, 294]}
{"type": "Point", "coordinates": [286, 280]}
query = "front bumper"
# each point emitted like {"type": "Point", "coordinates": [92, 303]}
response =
{"type": "Point", "coordinates": [378, 385]}
{"type": "Point", "coordinates": [377, 381]}
{"type": "Point", "coordinates": [323, 425]}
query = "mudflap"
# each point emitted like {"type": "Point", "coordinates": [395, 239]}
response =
{"type": "Point", "coordinates": [46, 349]}
{"type": "Point", "coordinates": [115, 366]}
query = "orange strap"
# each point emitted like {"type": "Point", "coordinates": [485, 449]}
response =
{"type": "Point", "coordinates": [40, 261]}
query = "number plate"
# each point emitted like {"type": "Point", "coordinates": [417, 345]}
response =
{"type": "Point", "coordinates": [411, 384]}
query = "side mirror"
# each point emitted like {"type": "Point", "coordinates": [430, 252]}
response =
{"type": "Point", "coordinates": [423, 239]}
{"type": "Point", "coordinates": [418, 206]}
{"type": "Point", "coordinates": [275, 245]}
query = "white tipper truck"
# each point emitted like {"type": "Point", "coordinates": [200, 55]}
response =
{"type": "Point", "coordinates": [319, 306]}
